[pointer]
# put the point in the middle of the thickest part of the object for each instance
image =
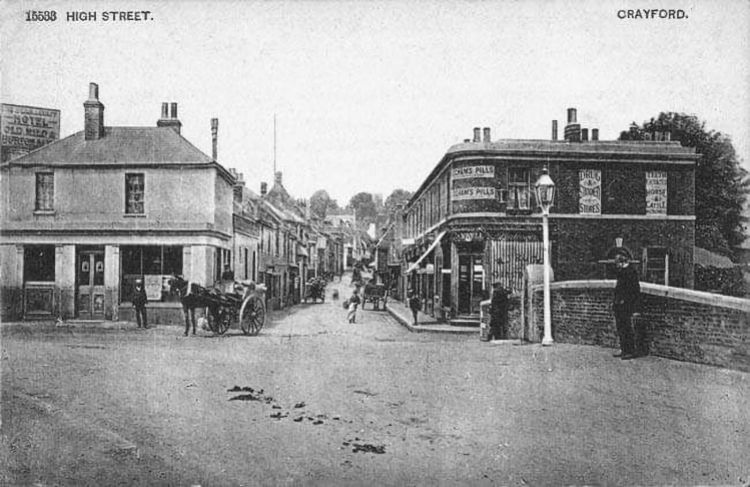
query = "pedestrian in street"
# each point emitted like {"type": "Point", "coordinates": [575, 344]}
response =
{"type": "Point", "coordinates": [139, 302]}
{"type": "Point", "coordinates": [353, 304]}
{"type": "Point", "coordinates": [499, 312]}
{"type": "Point", "coordinates": [626, 304]}
{"type": "Point", "coordinates": [414, 304]}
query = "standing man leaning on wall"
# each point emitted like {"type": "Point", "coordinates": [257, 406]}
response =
{"type": "Point", "coordinates": [626, 305]}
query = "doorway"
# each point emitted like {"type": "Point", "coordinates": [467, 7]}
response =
{"type": "Point", "coordinates": [90, 284]}
{"type": "Point", "coordinates": [470, 283]}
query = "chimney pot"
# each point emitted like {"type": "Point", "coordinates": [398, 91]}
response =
{"type": "Point", "coordinates": [263, 188]}
{"type": "Point", "coordinates": [165, 110]}
{"type": "Point", "coordinates": [93, 91]}
{"type": "Point", "coordinates": [594, 135]}
{"type": "Point", "coordinates": [487, 138]}
{"type": "Point", "coordinates": [584, 135]}
{"type": "Point", "coordinates": [174, 110]}
{"type": "Point", "coordinates": [477, 134]}
{"type": "Point", "coordinates": [466, 141]}
{"type": "Point", "coordinates": [277, 177]}
{"type": "Point", "coordinates": [572, 115]}
{"type": "Point", "coordinates": [169, 121]}
{"type": "Point", "coordinates": [554, 129]}
{"type": "Point", "coordinates": [214, 137]}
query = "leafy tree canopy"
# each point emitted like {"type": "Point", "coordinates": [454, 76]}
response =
{"type": "Point", "coordinates": [364, 207]}
{"type": "Point", "coordinates": [721, 184]}
{"type": "Point", "coordinates": [397, 197]}
{"type": "Point", "coordinates": [321, 203]}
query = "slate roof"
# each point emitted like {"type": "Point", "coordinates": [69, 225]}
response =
{"type": "Point", "coordinates": [161, 145]}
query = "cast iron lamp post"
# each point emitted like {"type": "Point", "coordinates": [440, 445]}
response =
{"type": "Point", "coordinates": [545, 196]}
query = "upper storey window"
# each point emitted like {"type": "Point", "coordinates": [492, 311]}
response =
{"type": "Point", "coordinates": [519, 188]}
{"type": "Point", "coordinates": [45, 191]}
{"type": "Point", "coordinates": [134, 194]}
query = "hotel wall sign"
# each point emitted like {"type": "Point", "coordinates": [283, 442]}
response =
{"type": "Point", "coordinates": [473, 193]}
{"type": "Point", "coordinates": [656, 192]}
{"type": "Point", "coordinates": [24, 128]}
{"type": "Point", "coordinates": [471, 172]}
{"type": "Point", "coordinates": [590, 191]}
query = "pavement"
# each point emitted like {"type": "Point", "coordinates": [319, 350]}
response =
{"type": "Point", "coordinates": [425, 322]}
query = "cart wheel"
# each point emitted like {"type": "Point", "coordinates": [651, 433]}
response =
{"type": "Point", "coordinates": [252, 315]}
{"type": "Point", "coordinates": [224, 321]}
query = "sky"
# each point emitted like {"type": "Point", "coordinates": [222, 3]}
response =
{"type": "Point", "coordinates": [368, 96]}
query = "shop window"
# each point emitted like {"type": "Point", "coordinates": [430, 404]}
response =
{"type": "Point", "coordinates": [519, 189]}
{"type": "Point", "coordinates": [45, 191]}
{"type": "Point", "coordinates": [137, 262]}
{"type": "Point", "coordinates": [656, 265]}
{"type": "Point", "coordinates": [39, 263]}
{"type": "Point", "coordinates": [134, 194]}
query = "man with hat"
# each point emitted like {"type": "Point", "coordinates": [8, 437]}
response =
{"type": "Point", "coordinates": [139, 301]}
{"type": "Point", "coordinates": [626, 304]}
{"type": "Point", "coordinates": [499, 312]}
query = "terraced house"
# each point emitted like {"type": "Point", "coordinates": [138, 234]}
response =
{"type": "Point", "coordinates": [475, 220]}
{"type": "Point", "coordinates": [86, 215]}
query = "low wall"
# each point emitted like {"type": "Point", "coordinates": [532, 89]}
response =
{"type": "Point", "coordinates": [679, 324]}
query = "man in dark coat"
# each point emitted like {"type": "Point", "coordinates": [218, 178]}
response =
{"type": "Point", "coordinates": [499, 312]}
{"type": "Point", "coordinates": [626, 303]}
{"type": "Point", "coordinates": [139, 301]}
{"type": "Point", "coordinates": [414, 305]}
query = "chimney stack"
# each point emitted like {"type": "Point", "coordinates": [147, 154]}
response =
{"type": "Point", "coordinates": [584, 135]}
{"type": "Point", "coordinates": [93, 115]}
{"type": "Point", "coordinates": [214, 137]}
{"type": "Point", "coordinates": [477, 134]}
{"type": "Point", "coordinates": [277, 178]}
{"type": "Point", "coordinates": [554, 129]}
{"type": "Point", "coordinates": [263, 188]}
{"type": "Point", "coordinates": [167, 120]}
{"type": "Point", "coordinates": [487, 138]}
{"type": "Point", "coordinates": [594, 135]}
{"type": "Point", "coordinates": [572, 129]}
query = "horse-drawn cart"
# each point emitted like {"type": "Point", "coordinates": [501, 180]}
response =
{"type": "Point", "coordinates": [315, 289]}
{"type": "Point", "coordinates": [375, 294]}
{"type": "Point", "coordinates": [245, 305]}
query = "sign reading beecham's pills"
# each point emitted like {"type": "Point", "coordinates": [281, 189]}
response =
{"type": "Point", "coordinates": [473, 193]}
{"type": "Point", "coordinates": [470, 172]}
{"type": "Point", "coordinates": [24, 129]}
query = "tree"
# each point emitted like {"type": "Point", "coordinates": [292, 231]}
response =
{"type": "Point", "coordinates": [721, 185]}
{"type": "Point", "coordinates": [397, 197]}
{"type": "Point", "coordinates": [364, 207]}
{"type": "Point", "coordinates": [321, 203]}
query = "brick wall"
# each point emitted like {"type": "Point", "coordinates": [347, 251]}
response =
{"type": "Point", "coordinates": [680, 324]}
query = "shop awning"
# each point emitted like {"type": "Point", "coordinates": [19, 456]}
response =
{"type": "Point", "coordinates": [427, 252]}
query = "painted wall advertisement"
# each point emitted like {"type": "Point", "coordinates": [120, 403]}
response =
{"type": "Point", "coordinates": [471, 172]}
{"type": "Point", "coordinates": [23, 129]}
{"type": "Point", "coordinates": [590, 191]}
{"type": "Point", "coordinates": [153, 284]}
{"type": "Point", "coordinates": [473, 193]}
{"type": "Point", "coordinates": [656, 192]}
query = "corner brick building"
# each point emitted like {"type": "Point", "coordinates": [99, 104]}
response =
{"type": "Point", "coordinates": [475, 219]}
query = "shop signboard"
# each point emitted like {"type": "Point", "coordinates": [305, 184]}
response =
{"type": "Point", "coordinates": [25, 128]}
{"type": "Point", "coordinates": [153, 284]}
{"type": "Point", "coordinates": [473, 193]}
{"type": "Point", "coordinates": [590, 191]}
{"type": "Point", "coordinates": [471, 172]}
{"type": "Point", "coordinates": [656, 193]}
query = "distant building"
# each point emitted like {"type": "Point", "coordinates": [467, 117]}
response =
{"type": "Point", "coordinates": [85, 216]}
{"type": "Point", "coordinates": [475, 219]}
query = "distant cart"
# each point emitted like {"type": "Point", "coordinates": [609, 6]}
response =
{"type": "Point", "coordinates": [375, 294]}
{"type": "Point", "coordinates": [315, 289]}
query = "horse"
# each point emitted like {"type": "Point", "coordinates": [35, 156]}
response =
{"type": "Point", "coordinates": [191, 298]}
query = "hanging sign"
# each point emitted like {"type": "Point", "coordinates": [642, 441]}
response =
{"type": "Point", "coordinates": [473, 193]}
{"type": "Point", "coordinates": [590, 191]}
{"type": "Point", "coordinates": [656, 193]}
{"type": "Point", "coordinates": [470, 172]}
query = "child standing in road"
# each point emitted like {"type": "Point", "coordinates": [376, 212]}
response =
{"type": "Point", "coordinates": [353, 304]}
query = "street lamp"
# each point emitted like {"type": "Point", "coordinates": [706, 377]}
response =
{"type": "Point", "coordinates": [545, 196]}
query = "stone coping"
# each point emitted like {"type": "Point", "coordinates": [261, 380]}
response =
{"type": "Point", "coordinates": [701, 297]}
